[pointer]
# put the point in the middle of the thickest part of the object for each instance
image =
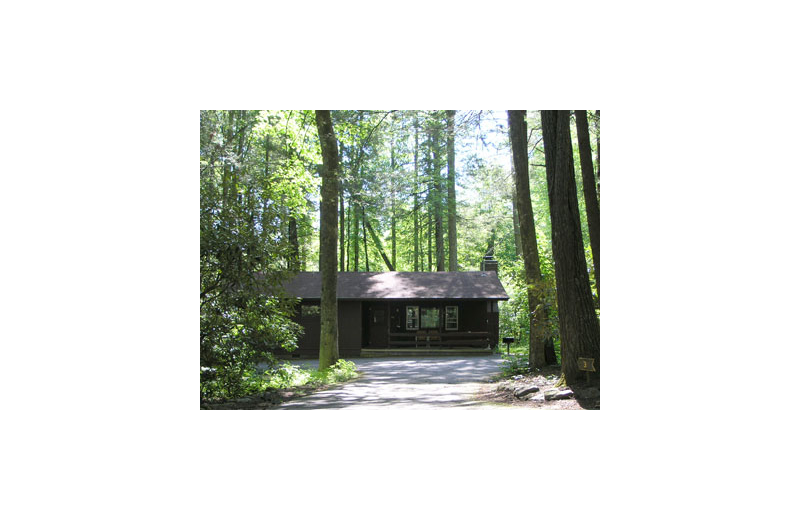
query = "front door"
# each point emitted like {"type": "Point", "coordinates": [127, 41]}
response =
{"type": "Point", "coordinates": [378, 325]}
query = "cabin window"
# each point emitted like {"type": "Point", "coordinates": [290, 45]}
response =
{"type": "Point", "coordinates": [451, 317]}
{"type": "Point", "coordinates": [309, 310]}
{"type": "Point", "coordinates": [412, 317]}
{"type": "Point", "coordinates": [430, 317]}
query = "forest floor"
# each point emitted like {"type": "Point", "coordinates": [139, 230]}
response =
{"type": "Point", "coordinates": [503, 392]}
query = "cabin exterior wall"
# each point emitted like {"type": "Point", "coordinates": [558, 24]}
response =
{"type": "Point", "coordinates": [378, 324]}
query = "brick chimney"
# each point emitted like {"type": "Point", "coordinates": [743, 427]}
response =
{"type": "Point", "coordinates": [489, 263]}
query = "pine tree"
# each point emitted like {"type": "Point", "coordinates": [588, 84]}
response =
{"type": "Point", "coordinates": [578, 324]}
{"type": "Point", "coordinates": [329, 331]}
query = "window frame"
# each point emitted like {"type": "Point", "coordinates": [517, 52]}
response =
{"type": "Point", "coordinates": [417, 317]}
{"type": "Point", "coordinates": [446, 318]}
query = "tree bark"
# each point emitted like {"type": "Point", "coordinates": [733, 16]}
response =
{"type": "Point", "coordinates": [597, 136]}
{"type": "Point", "coordinates": [416, 196]}
{"type": "Point", "coordinates": [530, 251]}
{"type": "Point", "coordinates": [589, 192]}
{"type": "Point", "coordinates": [451, 193]}
{"type": "Point", "coordinates": [578, 324]}
{"type": "Point", "coordinates": [348, 218]}
{"type": "Point", "coordinates": [294, 246]}
{"type": "Point", "coordinates": [364, 229]}
{"type": "Point", "coordinates": [437, 201]}
{"type": "Point", "coordinates": [393, 217]}
{"type": "Point", "coordinates": [354, 236]}
{"type": "Point", "coordinates": [515, 217]}
{"type": "Point", "coordinates": [329, 329]}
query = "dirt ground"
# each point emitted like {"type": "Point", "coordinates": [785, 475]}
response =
{"type": "Point", "coordinates": [502, 392]}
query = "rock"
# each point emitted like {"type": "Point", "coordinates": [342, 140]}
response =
{"type": "Point", "coordinates": [552, 395]}
{"type": "Point", "coordinates": [522, 392]}
{"type": "Point", "coordinates": [537, 398]}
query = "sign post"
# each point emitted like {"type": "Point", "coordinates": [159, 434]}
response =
{"type": "Point", "coordinates": [587, 365]}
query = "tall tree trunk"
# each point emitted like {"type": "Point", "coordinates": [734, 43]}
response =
{"type": "Point", "coordinates": [451, 192]}
{"type": "Point", "coordinates": [329, 329]}
{"type": "Point", "coordinates": [515, 218]}
{"type": "Point", "coordinates": [364, 229]}
{"type": "Point", "coordinates": [597, 135]}
{"type": "Point", "coordinates": [347, 235]}
{"type": "Point", "coordinates": [416, 196]}
{"type": "Point", "coordinates": [393, 219]}
{"type": "Point", "coordinates": [430, 241]}
{"type": "Point", "coordinates": [578, 324]}
{"type": "Point", "coordinates": [378, 245]}
{"type": "Point", "coordinates": [227, 165]}
{"type": "Point", "coordinates": [341, 217]}
{"type": "Point", "coordinates": [589, 192]}
{"type": "Point", "coordinates": [294, 246]}
{"type": "Point", "coordinates": [518, 134]}
{"type": "Point", "coordinates": [354, 237]}
{"type": "Point", "coordinates": [437, 201]}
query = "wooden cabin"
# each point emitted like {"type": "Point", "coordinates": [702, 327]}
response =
{"type": "Point", "coordinates": [400, 310]}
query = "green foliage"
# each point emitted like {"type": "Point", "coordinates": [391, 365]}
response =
{"type": "Point", "coordinates": [515, 364]}
{"type": "Point", "coordinates": [252, 182]}
{"type": "Point", "coordinates": [288, 375]}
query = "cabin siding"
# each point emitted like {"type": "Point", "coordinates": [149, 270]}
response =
{"type": "Point", "coordinates": [349, 316]}
{"type": "Point", "coordinates": [382, 324]}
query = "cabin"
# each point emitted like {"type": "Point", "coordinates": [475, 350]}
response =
{"type": "Point", "coordinates": [399, 311]}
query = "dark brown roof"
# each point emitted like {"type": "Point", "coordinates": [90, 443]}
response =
{"type": "Point", "coordinates": [467, 285]}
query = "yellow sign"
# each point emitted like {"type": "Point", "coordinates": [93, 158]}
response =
{"type": "Point", "coordinates": [586, 364]}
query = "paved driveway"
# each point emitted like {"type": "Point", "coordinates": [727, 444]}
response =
{"type": "Point", "coordinates": [407, 383]}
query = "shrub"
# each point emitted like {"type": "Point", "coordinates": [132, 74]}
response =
{"type": "Point", "coordinates": [515, 364]}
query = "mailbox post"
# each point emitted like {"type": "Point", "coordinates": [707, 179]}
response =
{"type": "Point", "coordinates": [508, 342]}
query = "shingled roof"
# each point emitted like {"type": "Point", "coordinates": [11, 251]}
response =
{"type": "Point", "coordinates": [438, 285]}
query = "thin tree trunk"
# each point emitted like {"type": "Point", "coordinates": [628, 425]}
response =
{"type": "Point", "coordinates": [354, 237]}
{"type": "Point", "coordinates": [437, 202]}
{"type": "Point", "coordinates": [294, 247]}
{"type": "Point", "coordinates": [530, 250]}
{"type": "Point", "coordinates": [578, 324]}
{"type": "Point", "coordinates": [377, 241]}
{"type": "Point", "coordinates": [364, 228]}
{"type": "Point", "coordinates": [393, 219]}
{"type": "Point", "coordinates": [347, 235]}
{"type": "Point", "coordinates": [416, 196]}
{"type": "Point", "coordinates": [341, 217]}
{"type": "Point", "coordinates": [451, 192]}
{"type": "Point", "coordinates": [515, 217]}
{"type": "Point", "coordinates": [597, 134]}
{"type": "Point", "coordinates": [430, 242]}
{"type": "Point", "coordinates": [329, 329]}
{"type": "Point", "coordinates": [589, 193]}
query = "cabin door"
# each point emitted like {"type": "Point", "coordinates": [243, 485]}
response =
{"type": "Point", "coordinates": [378, 315]}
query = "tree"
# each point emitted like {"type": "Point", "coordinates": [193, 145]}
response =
{"type": "Point", "coordinates": [329, 329]}
{"type": "Point", "coordinates": [530, 251]}
{"type": "Point", "coordinates": [245, 204]}
{"type": "Point", "coordinates": [451, 192]}
{"type": "Point", "coordinates": [578, 324]}
{"type": "Point", "coordinates": [589, 192]}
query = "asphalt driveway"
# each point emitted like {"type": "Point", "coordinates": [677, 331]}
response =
{"type": "Point", "coordinates": [407, 383]}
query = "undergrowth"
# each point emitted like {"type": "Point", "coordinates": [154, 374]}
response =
{"type": "Point", "coordinates": [288, 375]}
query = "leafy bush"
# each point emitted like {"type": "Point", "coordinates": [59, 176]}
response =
{"type": "Point", "coordinates": [515, 364]}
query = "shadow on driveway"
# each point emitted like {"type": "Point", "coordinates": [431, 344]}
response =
{"type": "Point", "coordinates": [407, 383]}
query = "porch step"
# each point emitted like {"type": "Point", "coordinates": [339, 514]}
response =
{"type": "Point", "coordinates": [409, 352]}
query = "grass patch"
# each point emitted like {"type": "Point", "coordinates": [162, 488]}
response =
{"type": "Point", "coordinates": [287, 376]}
